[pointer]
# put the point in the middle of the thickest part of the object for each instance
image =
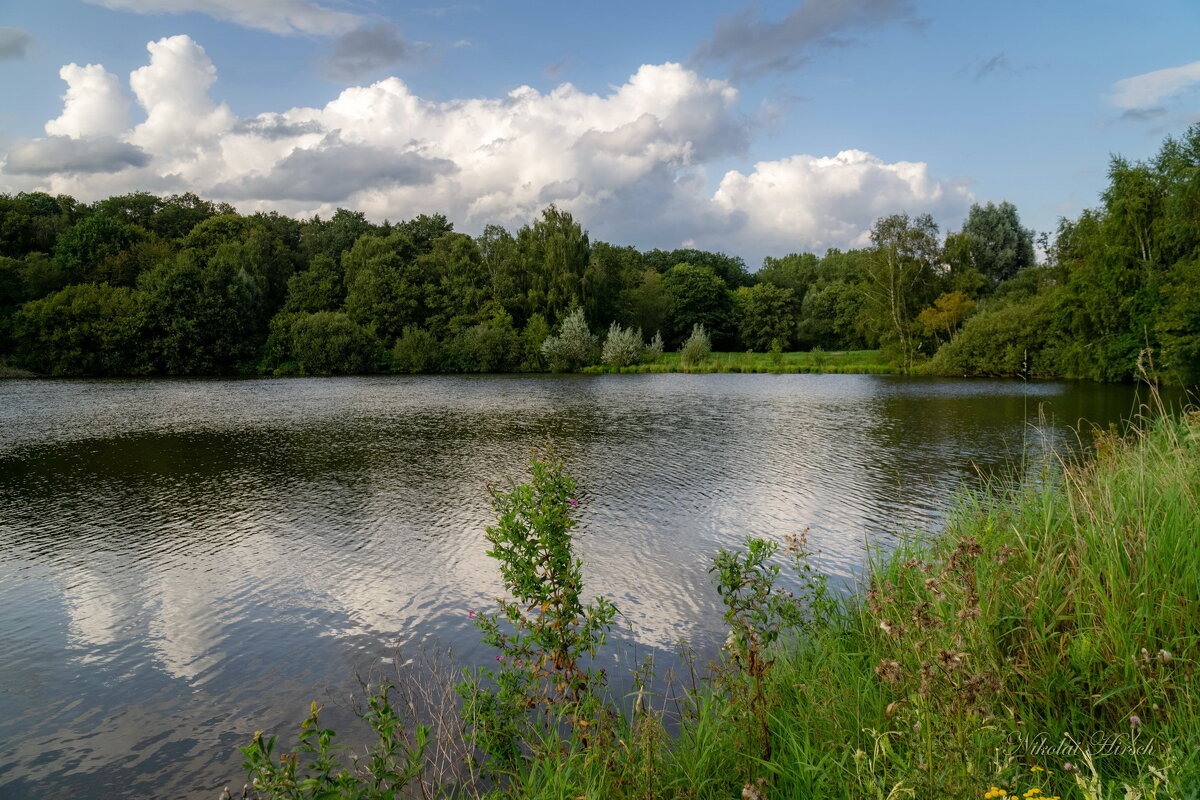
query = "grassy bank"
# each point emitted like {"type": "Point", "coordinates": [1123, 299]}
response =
{"type": "Point", "coordinates": [1046, 641]}
{"type": "Point", "coordinates": [1044, 645]}
{"type": "Point", "coordinates": [839, 361]}
{"type": "Point", "coordinates": [9, 371]}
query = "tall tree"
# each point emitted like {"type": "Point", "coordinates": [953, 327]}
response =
{"type": "Point", "coordinates": [698, 297]}
{"type": "Point", "coordinates": [901, 278]}
{"type": "Point", "coordinates": [555, 250]}
{"type": "Point", "coordinates": [766, 315]}
{"type": "Point", "coordinates": [1001, 247]}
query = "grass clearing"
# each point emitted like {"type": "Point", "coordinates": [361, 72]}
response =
{"type": "Point", "coordinates": [839, 361]}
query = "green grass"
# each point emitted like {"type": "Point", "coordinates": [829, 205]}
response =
{"type": "Point", "coordinates": [9, 371]}
{"type": "Point", "coordinates": [1063, 610]}
{"type": "Point", "coordinates": [837, 361]}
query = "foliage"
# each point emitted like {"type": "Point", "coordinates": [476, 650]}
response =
{"type": "Point", "coordinates": [85, 329]}
{"type": "Point", "coordinates": [1011, 340]}
{"type": "Point", "coordinates": [946, 314]}
{"type": "Point", "coordinates": [831, 317]}
{"type": "Point", "coordinates": [573, 347]}
{"type": "Point", "coordinates": [491, 346]}
{"type": "Point", "coordinates": [696, 349]}
{"type": "Point", "coordinates": [900, 278]}
{"type": "Point", "coordinates": [416, 350]}
{"type": "Point", "coordinates": [622, 346]}
{"type": "Point", "coordinates": [757, 612]}
{"type": "Point", "coordinates": [1178, 325]}
{"type": "Point", "coordinates": [322, 343]}
{"type": "Point", "coordinates": [646, 302]}
{"type": "Point", "coordinates": [795, 271]}
{"type": "Point", "coordinates": [999, 247]}
{"type": "Point", "coordinates": [730, 269]}
{"type": "Point", "coordinates": [200, 319]}
{"type": "Point", "coordinates": [318, 288]}
{"type": "Point", "coordinates": [698, 296]}
{"type": "Point", "coordinates": [545, 634]}
{"type": "Point", "coordinates": [81, 248]}
{"type": "Point", "coordinates": [383, 285]}
{"type": "Point", "coordinates": [654, 349]}
{"type": "Point", "coordinates": [532, 337]}
{"type": "Point", "coordinates": [765, 314]}
{"type": "Point", "coordinates": [556, 252]}
{"type": "Point", "coordinates": [313, 771]}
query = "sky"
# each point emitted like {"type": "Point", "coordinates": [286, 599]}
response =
{"type": "Point", "coordinates": [756, 130]}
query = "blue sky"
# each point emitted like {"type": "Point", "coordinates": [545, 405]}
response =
{"type": "Point", "coordinates": [728, 137]}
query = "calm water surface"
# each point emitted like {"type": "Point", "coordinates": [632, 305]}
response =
{"type": "Point", "coordinates": [185, 562]}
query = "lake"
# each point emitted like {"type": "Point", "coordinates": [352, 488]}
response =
{"type": "Point", "coordinates": [183, 562]}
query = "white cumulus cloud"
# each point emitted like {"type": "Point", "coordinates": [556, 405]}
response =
{"type": "Point", "coordinates": [94, 104]}
{"type": "Point", "coordinates": [182, 122]}
{"type": "Point", "coordinates": [828, 202]}
{"type": "Point", "coordinates": [632, 162]}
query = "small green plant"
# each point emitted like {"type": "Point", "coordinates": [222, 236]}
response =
{"type": "Point", "coordinates": [313, 771]}
{"type": "Point", "coordinates": [696, 349]}
{"type": "Point", "coordinates": [545, 634]}
{"type": "Point", "coordinates": [654, 350]}
{"type": "Point", "coordinates": [776, 352]}
{"type": "Point", "coordinates": [758, 612]}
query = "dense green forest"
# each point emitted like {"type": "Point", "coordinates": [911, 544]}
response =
{"type": "Point", "coordinates": [144, 285]}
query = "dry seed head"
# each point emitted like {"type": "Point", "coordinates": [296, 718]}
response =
{"type": "Point", "coordinates": [971, 612]}
{"type": "Point", "coordinates": [950, 659]}
{"type": "Point", "coordinates": [889, 670]}
{"type": "Point", "coordinates": [756, 790]}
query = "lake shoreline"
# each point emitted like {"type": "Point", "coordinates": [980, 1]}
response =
{"type": "Point", "coordinates": [990, 659]}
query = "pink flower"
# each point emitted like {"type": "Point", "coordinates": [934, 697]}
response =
{"type": "Point", "coordinates": [1135, 720]}
{"type": "Point", "coordinates": [470, 615]}
{"type": "Point", "coordinates": [573, 501]}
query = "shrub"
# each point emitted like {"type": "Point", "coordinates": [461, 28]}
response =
{"type": "Point", "coordinates": [329, 342]}
{"type": "Point", "coordinates": [696, 349]}
{"type": "Point", "coordinates": [87, 329]}
{"type": "Point", "coordinates": [535, 333]}
{"type": "Point", "coordinates": [1014, 339]}
{"type": "Point", "coordinates": [417, 350]}
{"type": "Point", "coordinates": [324, 343]}
{"type": "Point", "coordinates": [622, 346]}
{"type": "Point", "coordinates": [491, 346]}
{"type": "Point", "coordinates": [654, 350]}
{"type": "Point", "coordinates": [573, 347]}
{"type": "Point", "coordinates": [544, 633]}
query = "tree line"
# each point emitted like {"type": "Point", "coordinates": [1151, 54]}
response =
{"type": "Point", "coordinates": [144, 285]}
